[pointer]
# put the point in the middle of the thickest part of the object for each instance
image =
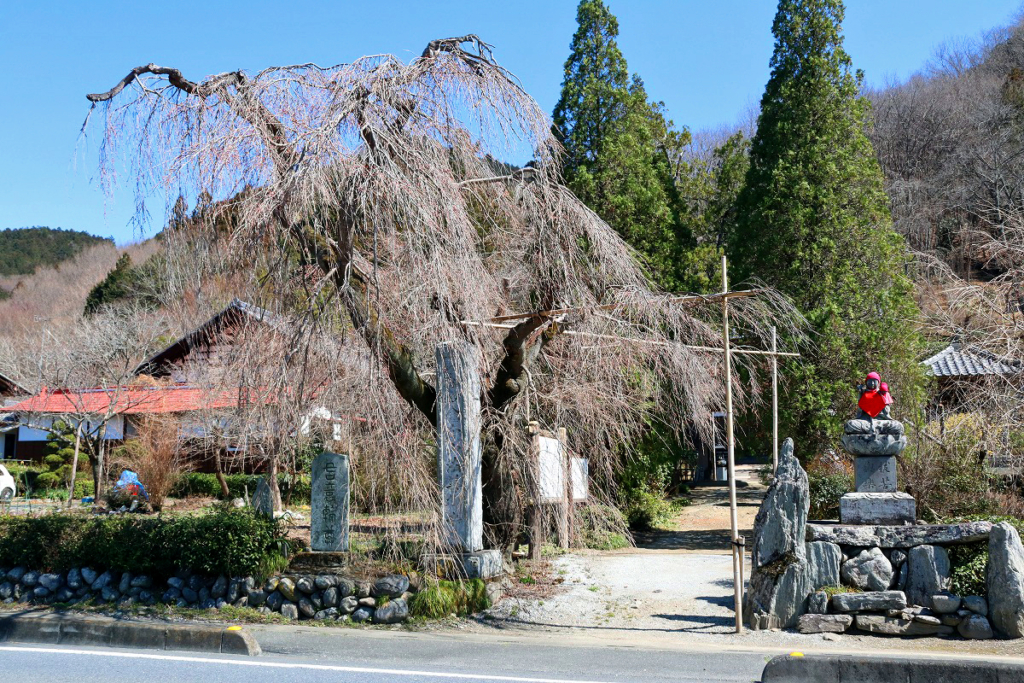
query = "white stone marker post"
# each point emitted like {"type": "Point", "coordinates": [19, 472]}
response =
{"type": "Point", "coordinates": [458, 445]}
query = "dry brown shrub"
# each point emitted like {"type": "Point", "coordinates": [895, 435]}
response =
{"type": "Point", "coordinates": [155, 455]}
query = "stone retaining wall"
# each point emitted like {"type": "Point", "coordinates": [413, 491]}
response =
{"type": "Point", "coordinates": [319, 596]}
{"type": "Point", "coordinates": [887, 580]}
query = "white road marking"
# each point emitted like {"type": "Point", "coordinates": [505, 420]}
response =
{"type": "Point", "coordinates": [289, 665]}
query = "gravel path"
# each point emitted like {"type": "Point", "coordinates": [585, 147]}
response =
{"type": "Point", "coordinates": [677, 586]}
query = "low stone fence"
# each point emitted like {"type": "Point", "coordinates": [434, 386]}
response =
{"type": "Point", "coordinates": [319, 596]}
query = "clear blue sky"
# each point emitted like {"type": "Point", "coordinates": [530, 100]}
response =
{"type": "Point", "coordinates": [707, 60]}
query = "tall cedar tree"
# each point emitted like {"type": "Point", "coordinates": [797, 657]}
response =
{"type": "Point", "coordinates": [814, 222]}
{"type": "Point", "coordinates": [617, 147]}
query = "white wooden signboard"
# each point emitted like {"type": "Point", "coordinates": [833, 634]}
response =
{"type": "Point", "coordinates": [579, 475]}
{"type": "Point", "coordinates": [551, 465]}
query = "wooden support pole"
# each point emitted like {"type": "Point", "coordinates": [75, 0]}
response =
{"type": "Point", "coordinates": [775, 402]}
{"type": "Point", "coordinates": [563, 513]}
{"type": "Point", "coordinates": [737, 548]}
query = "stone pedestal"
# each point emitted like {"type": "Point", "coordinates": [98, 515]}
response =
{"type": "Point", "coordinates": [482, 564]}
{"type": "Point", "coordinates": [875, 474]}
{"type": "Point", "coordinates": [877, 508]}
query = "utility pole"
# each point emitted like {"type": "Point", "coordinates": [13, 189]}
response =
{"type": "Point", "coordinates": [737, 545]}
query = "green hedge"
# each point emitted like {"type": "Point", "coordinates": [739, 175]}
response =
{"type": "Point", "coordinates": [231, 542]}
{"type": "Point", "coordinates": [197, 484]}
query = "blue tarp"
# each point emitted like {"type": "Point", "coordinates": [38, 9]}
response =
{"type": "Point", "coordinates": [129, 482]}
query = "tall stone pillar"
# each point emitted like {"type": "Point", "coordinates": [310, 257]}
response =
{"type": "Point", "coordinates": [458, 441]}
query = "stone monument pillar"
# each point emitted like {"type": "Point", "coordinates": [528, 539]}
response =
{"type": "Point", "coordinates": [874, 439]}
{"type": "Point", "coordinates": [459, 458]}
{"type": "Point", "coordinates": [329, 504]}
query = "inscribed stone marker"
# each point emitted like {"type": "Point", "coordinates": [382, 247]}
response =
{"type": "Point", "coordinates": [329, 503]}
{"type": "Point", "coordinates": [459, 451]}
{"type": "Point", "coordinates": [262, 500]}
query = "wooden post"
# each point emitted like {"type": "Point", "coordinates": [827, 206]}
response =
{"type": "Point", "coordinates": [74, 463]}
{"type": "Point", "coordinates": [737, 550]}
{"type": "Point", "coordinates": [563, 513]}
{"type": "Point", "coordinates": [775, 403]}
{"type": "Point", "coordinates": [536, 513]}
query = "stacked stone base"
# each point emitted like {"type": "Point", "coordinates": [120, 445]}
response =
{"type": "Point", "coordinates": [887, 613]}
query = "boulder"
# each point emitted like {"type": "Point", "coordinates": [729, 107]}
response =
{"type": "Point", "coordinates": [330, 597]}
{"type": "Point", "coordinates": [289, 610]}
{"type": "Point", "coordinates": [396, 611]}
{"type": "Point", "coordinates": [823, 563]}
{"type": "Point", "coordinates": [274, 602]}
{"type": "Point", "coordinates": [888, 626]}
{"type": "Point", "coordinates": [325, 581]}
{"type": "Point", "coordinates": [346, 587]}
{"type": "Point", "coordinates": [14, 575]}
{"type": "Point", "coordinates": [306, 607]}
{"type": "Point", "coordinates": [975, 627]}
{"type": "Point", "coordinates": [305, 584]}
{"type": "Point", "coordinates": [877, 601]}
{"type": "Point", "coordinates": [142, 581]}
{"type": "Point", "coordinates": [257, 598]}
{"type": "Point", "coordinates": [362, 614]}
{"type": "Point", "coordinates": [126, 582]}
{"type": "Point", "coordinates": [367, 602]}
{"type": "Point", "coordinates": [6, 590]}
{"type": "Point", "coordinates": [272, 583]}
{"type": "Point", "coordinates": [74, 579]}
{"type": "Point", "coordinates": [220, 587]}
{"type": "Point", "coordinates": [928, 573]}
{"type": "Point", "coordinates": [236, 589]}
{"type": "Point", "coordinates": [286, 587]}
{"type": "Point", "coordinates": [109, 594]}
{"type": "Point", "coordinates": [780, 525]}
{"type": "Point", "coordinates": [330, 613]}
{"type": "Point", "coordinates": [824, 623]}
{"type": "Point", "coordinates": [976, 604]}
{"type": "Point", "coordinates": [173, 582]}
{"type": "Point", "coordinates": [30, 579]}
{"type": "Point", "coordinates": [348, 604]}
{"type": "Point", "coordinates": [945, 603]}
{"type": "Point", "coordinates": [363, 589]}
{"type": "Point", "coordinates": [1006, 580]}
{"type": "Point", "coordinates": [817, 603]}
{"type": "Point", "coordinates": [870, 570]}
{"type": "Point", "coordinates": [391, 586]}
{"type": "Point", "coordinates": [89, 575]}
{"type": "Point", "coordinates": [51, 582]}
{"type": "Point", "coordinates": [189, 595]}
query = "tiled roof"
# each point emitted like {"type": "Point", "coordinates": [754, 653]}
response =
{"type": "Point", "coordinates": [127, 400]}
{"type": "Point", "coordinates": [956, 361]}
{"type": "Point", "coordinates": [206, 331]}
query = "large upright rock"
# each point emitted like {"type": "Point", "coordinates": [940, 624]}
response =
{"type": "Point", "coordinates": [786, 569]}
{"type": "Point", "coordinates": [928, 574]}
{"type": "Point", "coordinates": [1006, 580]}
{"type": "Point", "coordinates": [781, 523]}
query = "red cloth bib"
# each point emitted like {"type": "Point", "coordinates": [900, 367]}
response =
{"type": "Point", "coordinates": [872, 403]}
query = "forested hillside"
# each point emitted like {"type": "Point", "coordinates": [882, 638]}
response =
{"type": "Point", "coordinates": [22, 250]}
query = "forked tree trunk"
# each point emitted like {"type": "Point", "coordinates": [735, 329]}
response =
{"type": "Point", "coordinates": [218, 468]}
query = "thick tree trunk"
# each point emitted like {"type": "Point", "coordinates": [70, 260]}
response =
{"type": "Point", "coordinates": [218, 469]}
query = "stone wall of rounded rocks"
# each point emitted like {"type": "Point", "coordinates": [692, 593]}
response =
{"type": "Point", "coordinates": [319, 596]}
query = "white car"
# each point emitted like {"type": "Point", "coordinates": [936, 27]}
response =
{"type": "Point", "coordinates": [7, 485]}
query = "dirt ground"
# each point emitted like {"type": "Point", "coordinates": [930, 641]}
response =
{"type": "Point", "coordinates": [678, 584]}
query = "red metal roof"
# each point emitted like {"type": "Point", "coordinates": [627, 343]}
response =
{"type": "Point", "coordinates": [127, 400]}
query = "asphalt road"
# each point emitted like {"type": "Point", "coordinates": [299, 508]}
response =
{"type": "Point", "coordinates": [392, 656]}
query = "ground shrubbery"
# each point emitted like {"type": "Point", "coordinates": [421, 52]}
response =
{"type": "Point", "coordinates": [444, 598]}
{"type": "Point", "coordinates": [230, 542]}
{"type": "Point", "coordinates": [296, 488]}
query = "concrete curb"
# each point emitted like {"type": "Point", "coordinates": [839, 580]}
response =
{"type": "Point", "coordinates": [65, 629]}
{"type": "Point", "coordinates": [796, 668]}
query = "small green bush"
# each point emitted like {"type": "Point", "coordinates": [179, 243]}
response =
{"type": "Point", "coordinates": [443, 598]}
{"type": "Point", "coordinates": [231, 542]}
{"type": "Point", "coordinates": [647, 510]}
{"type": "Point", "coordinates": [968, 563]}
{"type": "Point", "coordinates": [826, 489]}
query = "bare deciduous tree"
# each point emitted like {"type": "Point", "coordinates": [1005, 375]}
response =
{"type": "Point", "coordinates": [384, 176]}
